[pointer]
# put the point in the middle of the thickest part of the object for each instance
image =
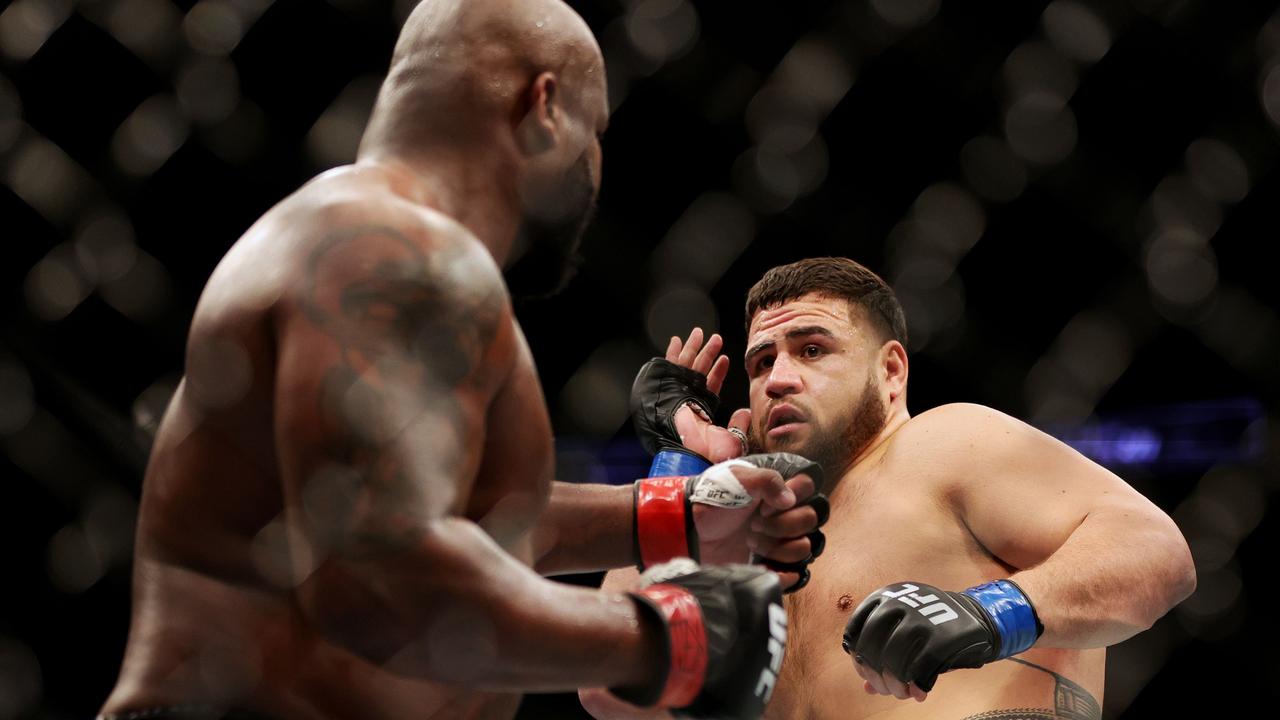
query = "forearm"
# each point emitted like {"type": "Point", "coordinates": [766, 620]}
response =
{"type": "Point", "coordinates": [455, 608]}
{"type": "Point", "coordinates": [1117, 573]}
{"type": "Point", "coordinates": [585, 527]}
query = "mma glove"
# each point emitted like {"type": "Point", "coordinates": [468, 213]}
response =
{"type": "Point", "coordinates": [916, 632]}
{"type": "Point", "coordinates": [679, 477]}
{"type": "Point", "coordinates": [661, 388]}
{"type": "Point", "coordinates": [724, 632]}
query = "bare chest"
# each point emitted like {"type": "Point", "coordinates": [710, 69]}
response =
{"type": "Point", "coordinates": [878, 535]}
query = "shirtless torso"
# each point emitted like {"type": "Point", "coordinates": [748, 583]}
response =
{"type": "Point", "coordinates": [890, 521]}
{"type": "Point", "coordinates": [238, 473]}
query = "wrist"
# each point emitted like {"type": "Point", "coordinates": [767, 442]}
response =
{"type": "Point", "coordinates": [663, 524]}
{"type": "Point", "coordinates": [673, 651]}
{"type": "Point", "coordinates": [669, 462]}
{"type": "Point", "coordinates": [1014, 619]}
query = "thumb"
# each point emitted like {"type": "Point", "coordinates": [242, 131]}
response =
{"type": "Point", "coordinates": [741, 419]}
{"type": "Point", "coordinates": [768, 486]}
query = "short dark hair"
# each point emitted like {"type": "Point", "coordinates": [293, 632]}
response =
{"type": "Point", "coordinates": [834, 277]}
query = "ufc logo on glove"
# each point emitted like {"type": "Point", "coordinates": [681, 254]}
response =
{"type": "Point", "coordinates": [907, 595]}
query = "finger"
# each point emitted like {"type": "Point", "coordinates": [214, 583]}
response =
{"type": "Point", "coordinates": [741, 419]}
{"type": "Point", "coordinates": [916, 693]}
{"type": "Point", "coordinates": [719, 371]}
{"type": "Point", "coordinates": [817, 542]}
{"type": "Point", "coordinates": [707, 355]}
{"type": "Point", "coordinates": [786, 551]}
{"type": "Point", "coordinates": [691, 348]}
{"type": "Point", "coordinates": [861, 668]}
{"type": "Point", "coordinates": [804, 577]}
{"type": "Point", "coordinates": [673, 349]}
{"type": "Point", "coordinates": [821, 506]}
{"type": "Point", "coordinates": [896, 687]}
{"type": "Point", "coordinates": [876, 681]}
{"type": "Point", "coordinates": [766, 484]}
{"type": "Point", "coordinates": [803, 486]}
{"type": "Point", "coordinates": [788, 580]}
{"type": "Point", "coordinates": [790, 523]}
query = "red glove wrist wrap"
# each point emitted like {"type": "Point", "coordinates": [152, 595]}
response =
{"type": "Point", "coordinates": [688, 668]}
{"type": "Point", "coordinates": [662, 520]}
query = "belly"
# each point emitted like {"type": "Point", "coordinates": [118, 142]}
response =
{"type": "Point", "coordinates": [1049, 681]}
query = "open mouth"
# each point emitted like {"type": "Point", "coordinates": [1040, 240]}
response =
{"type": "Point", "coordinates": [782, 420]}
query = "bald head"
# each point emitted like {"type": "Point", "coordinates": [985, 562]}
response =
{"type": "Point", "coordinates": [462, 68]}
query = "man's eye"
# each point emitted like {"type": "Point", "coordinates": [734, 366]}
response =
{"type": "Point", "coordinates": [812, 351]}
{"type": "Point", "coordinates": [765, 363]}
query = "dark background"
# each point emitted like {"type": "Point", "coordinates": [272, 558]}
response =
{"type": "Point", "coordinates": [1074, 200]}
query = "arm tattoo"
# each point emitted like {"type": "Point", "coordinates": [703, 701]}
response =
{"type": "Point", "coordinates": [1070, 702]}
{"type": "Point", "coordinates": [412, 328]}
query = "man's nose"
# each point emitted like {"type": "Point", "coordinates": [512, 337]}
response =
{"type": "Point", "coordinates": [784, 378]}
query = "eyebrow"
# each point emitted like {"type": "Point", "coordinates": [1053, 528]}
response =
{"type": "Point", "coordinates": [795, 333]}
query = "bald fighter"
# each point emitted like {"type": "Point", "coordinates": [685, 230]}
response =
{"type": "Point", "coordinates": [975, 567]}
{"type": "Point", "coordinates": [346, 507]}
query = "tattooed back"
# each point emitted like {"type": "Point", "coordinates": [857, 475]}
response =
{"type": "Point", "coordinates": [352, 344]}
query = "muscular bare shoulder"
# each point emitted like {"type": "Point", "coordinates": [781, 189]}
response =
{"type": "Point", "coordinates": [951, 443]}
{"type": "Point", "coordinates": [375, 272]}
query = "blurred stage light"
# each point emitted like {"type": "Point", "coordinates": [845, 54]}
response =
{"type": "Point", "coordinates": [10, 115]}
{"type": "Point", "coordinates": [55, 286]}
{"type": "Point", "coordinates": [992, 169]}
{"type": "Point", "coordinates": [662, 30]}
{"type": "Point", "coordinates": [674, 310]}
{"type": "Point", "coordinates": [1183, 437]}
{"type": "Point", "coordinates": [1037, 68]}
{"type": "Point", "coordinates": [596, 398]}
{"type": "Point", "coordinates": [142, 292]}
{"type": "Point", "coordinates": [149, 136]}
{"type": "Point", "coordinates": [1181, 268]}
{"type": "Point", "coordinates": [47, 179]}
{"type": "Point", "coordinates": [213, 27]}
{"type": "Point", "coordinates": [73, 562]}
{"type": "Point", "coordinates": [704, 241]}
{"type": "Point", "coordinates": [208, 89]}
{"type": "Point", "coordinates": [335, 137]}
{"type": "Point", "coordinates": [1217, 170]}
{"type": "Point", "coordinates": [1040, 128]}
{"type": "Point", "coordinates": [149, 28]}
{"type": "Point", "coordinates": [104, 246]}
{"type": "Point", "coordinates": [1076, 31]}
{"type": "Point", "coordinates": [26, 24]}
{"type": "Point", "coordinates": [21, 684]}
{"type": "Point", "coordinates": [905, 14]}
{"type": "Point", "coordinates": [17, 396]}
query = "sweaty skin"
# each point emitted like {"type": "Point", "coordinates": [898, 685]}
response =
{"type": "Point", "coordinates": [955, 497]}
